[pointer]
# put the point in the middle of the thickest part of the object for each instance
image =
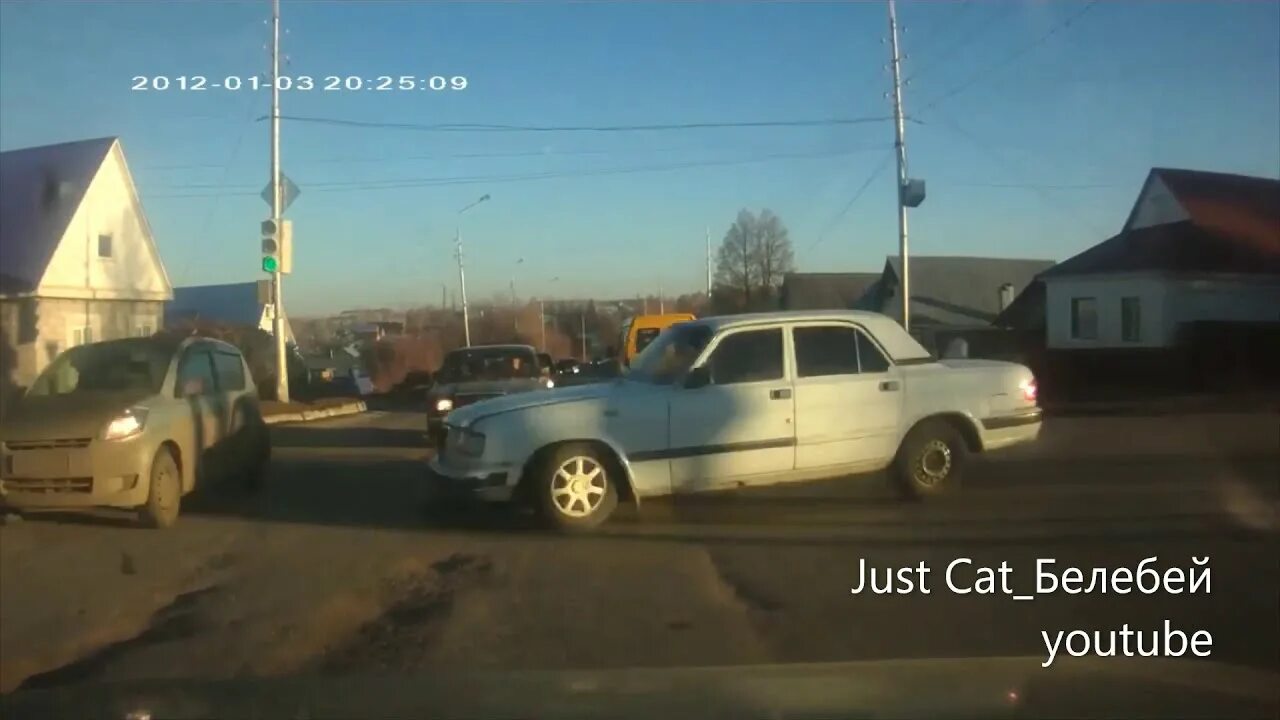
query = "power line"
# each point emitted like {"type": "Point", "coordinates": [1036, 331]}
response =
{"type": "Point", "coordinates": [984, 23]}
{"type": "Point", "coordinates": [469, 180]}
{"type": "Point", "coordinates": [1001, 64]}
{"type": "Point", "coordinates": [487, 127]}
{"type": "Point", "coordinates": [1039, 190]}
{"type": "Point", "coordinates": [884, 163]}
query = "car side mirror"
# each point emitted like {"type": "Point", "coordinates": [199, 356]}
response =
{"type": "Point", "coordinates": [698, 377]}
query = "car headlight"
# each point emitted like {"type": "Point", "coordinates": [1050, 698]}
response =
{"type": "Point", "coordinates": [550, 383]}
{"type": "Point", "coordinates": [444, 405]}
{"type": "Point", "coordinates": [126, 424]}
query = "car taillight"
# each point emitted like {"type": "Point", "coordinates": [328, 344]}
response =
{"type": "Point", "coordinates": [1029, 389]}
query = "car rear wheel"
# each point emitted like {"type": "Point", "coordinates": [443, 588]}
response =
{"type": "Point", "coordinates": [930, 460]}
{"type": "Point", "coordinates": [575, 490]}
{"type": "Point", "coordinates": [164, 496]}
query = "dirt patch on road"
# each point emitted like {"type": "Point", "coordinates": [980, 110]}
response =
{"type": "Point", "coordinates": [178, 620]}
{"type": "Point", "coordinates": [418, 604]}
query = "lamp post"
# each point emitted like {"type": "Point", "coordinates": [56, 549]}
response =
{"type": "Point", "coordinates": [462, 277]}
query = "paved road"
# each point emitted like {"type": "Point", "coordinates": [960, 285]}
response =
{"type": "Point", "coordinates": [334, 568]}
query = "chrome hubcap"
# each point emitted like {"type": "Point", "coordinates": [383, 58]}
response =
{"type": "Point", "coordinates": [935, 463]}
{"type": "Point", "coordinates": [578, 486]}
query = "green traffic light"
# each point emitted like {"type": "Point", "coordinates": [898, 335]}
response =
{"type": "Point", "coordinates": [269, 264]}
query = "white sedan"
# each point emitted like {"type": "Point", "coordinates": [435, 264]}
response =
{"type": "Point", "coordinates": [738, 401]}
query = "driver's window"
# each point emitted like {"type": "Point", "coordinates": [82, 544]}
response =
{"type": "Point", "coordinates": [195, 373]}
{"type": "Point", "coordinates": [751, 356]}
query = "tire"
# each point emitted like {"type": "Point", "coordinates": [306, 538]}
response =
{"type": "Point", "coordinates": [164, 492]}
{"type": "Point", "coordinates": [574, 488]}
{"type": "Point", "coordinates": [255, 474]}
{"type": "Point", "coordinates": [930, 461]}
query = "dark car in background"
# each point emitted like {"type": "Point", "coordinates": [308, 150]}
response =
{"type": "Point", "coordinates": [470, 375]}
{"type": "Point", "coordinates": [133, 424]}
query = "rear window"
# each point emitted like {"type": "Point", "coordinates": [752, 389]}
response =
{"type": "Point", "coordinates": [477, 364]}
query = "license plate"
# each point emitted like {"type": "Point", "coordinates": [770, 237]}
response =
{"type": "Point", "coordinates": [40, 463]}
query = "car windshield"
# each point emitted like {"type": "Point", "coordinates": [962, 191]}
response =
{"type": "Point", "coordinates": [480, 364]}
{"type": "Point", "coordinates": [117, 366]}
{"type": "Point", "coordinates": [670, 355]}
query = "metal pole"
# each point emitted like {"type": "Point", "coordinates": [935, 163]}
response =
{"type": "Point", "coordinates": [583, 317]}
{"type": "Point", "coordinates": [277, 296]}
{"type": "Point", "coordinates": [542, 322]}
{"type": "Point", "coordinates": [708, 265]}
{"type": "Point", "coordinates": [462, 285]}
{"type": "Point", "coordinates": [662, 303]}
{"type": "Point", "coordinates": [515, 314]}
{"type": "Point", "coordinates": [899, 145]}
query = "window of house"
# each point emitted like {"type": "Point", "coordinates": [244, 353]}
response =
{"type": "Point", "coordinates": [1084, 318]}
{"type": "Point", "coordinates": [104, 246]}
{"type": "Point", "coordinates": [752, 356]}
{"type": "Point", "coordinates": [144, 330]}
{"type": "Point", "coordinates": [81, 336]}
{"type": "Point", "coordinates": [1130, 319]}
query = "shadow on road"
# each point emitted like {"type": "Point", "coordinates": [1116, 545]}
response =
{"type": "Point", "coordinates": [302, 436]}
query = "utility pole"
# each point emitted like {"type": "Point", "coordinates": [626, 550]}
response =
{"type": "Point", "coordinates": [900, 147]}
{"type": "Point", "coordinates": [462, 284]}
{"type": "Point", "coordinates": [462, 276]}
{"type": "Point", "coordinates": [583, 333]}
{"type": "Point", "coordinates": [542, 323]}
{"type": "Point", "coordinates": [662, 302]}
{"type": "Point", "coordinates": [277, 209]}
{"type": "Point", "coordinates": [708, 265]}
{"type": "Point", "coordinates": [444, 296]}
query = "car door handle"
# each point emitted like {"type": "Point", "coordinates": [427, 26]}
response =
{"type": "Point", "coordinates": [889, 386]}
{"type": "Point", "coordinates": [780, 394]}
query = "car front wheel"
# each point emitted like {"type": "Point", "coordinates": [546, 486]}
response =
{"type": "Point", "coordinates": [575, 490]}
{"type": "Point", "coordinates": [164, 495]}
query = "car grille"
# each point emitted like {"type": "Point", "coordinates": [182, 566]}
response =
{"type": "Point", "coordinates": [48, 444]}
{"type": "Point", "coordinates": [49, 486]}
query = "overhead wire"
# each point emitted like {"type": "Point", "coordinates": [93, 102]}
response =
{"type": "Point", "coordinates": [884, 163]}
{"type": "Point", "coordinates": [1010, 58]}
{"type": "Point", "coordinates": [400, 183]}
{"type": "Point", "coordinates": [492, 127]}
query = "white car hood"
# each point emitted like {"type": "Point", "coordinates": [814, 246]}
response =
{"type": "Point", "coordinates": [465, 416]}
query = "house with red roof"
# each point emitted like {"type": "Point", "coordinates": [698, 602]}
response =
{"type": "Point", "coordinates": [1197, 247]}
{"type": "Point", "coordinates": [78, 262]}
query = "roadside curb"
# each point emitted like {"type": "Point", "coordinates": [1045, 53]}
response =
{"type": "Point", "coordinates": [320, 414]}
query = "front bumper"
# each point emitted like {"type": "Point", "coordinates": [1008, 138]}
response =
{"type": "Point", "coordinates": [46, 476]}
{"type": "Point", "coordinates": [490, 484]}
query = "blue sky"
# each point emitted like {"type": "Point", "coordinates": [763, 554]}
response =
{"type": "Point", "coordinates": [1036, 149]}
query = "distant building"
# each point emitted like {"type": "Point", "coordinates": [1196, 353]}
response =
{"type": "Point", "coordinates": [1197, 247]}
{"type": "Point", "coordinates": [78, 262]}
{"type": "Point", "coordinates": [245, 304]}
{"type": "Point", "coordinates": [824, 291]}
{"type": "Point", "coordinates": [953, 292]}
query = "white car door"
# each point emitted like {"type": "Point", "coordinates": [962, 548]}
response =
{"type": "Point", "coordinates": [738, 428]}
{"type": "Point", "coordinates": [848, 398]}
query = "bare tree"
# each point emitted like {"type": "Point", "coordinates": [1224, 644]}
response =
{"type": "Point", "coordinates": [734, 266]}
{"type": "Point", "coordinates": [753, 257]}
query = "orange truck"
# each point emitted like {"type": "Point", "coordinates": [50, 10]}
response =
{"type": "Point", "coordinates": [638, 331]}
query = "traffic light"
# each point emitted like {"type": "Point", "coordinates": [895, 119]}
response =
{"type": "Point", "coordinates": [277, 246]}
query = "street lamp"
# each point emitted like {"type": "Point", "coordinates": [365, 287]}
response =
{"type": "Point", "coordinates": [462, 277]}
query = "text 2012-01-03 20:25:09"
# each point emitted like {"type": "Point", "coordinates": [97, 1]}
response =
{"type": "Point", "coordinates": [325, 83]}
